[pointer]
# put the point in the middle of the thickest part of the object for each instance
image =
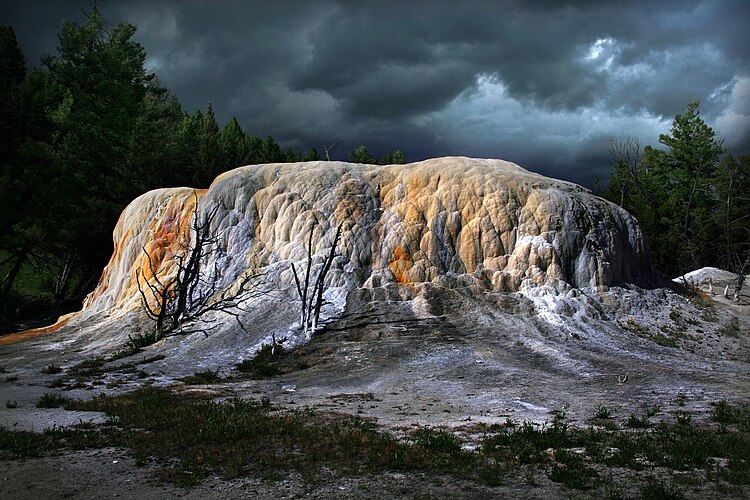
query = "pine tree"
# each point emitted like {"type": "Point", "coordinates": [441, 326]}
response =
{"type": "Point", "coordinates": [733, 212]}
{"type": "Point", "coordinates": [209, 160]}
{"type": "Point", "coordinates": [99, 83]}
{"type": "Point", "coordinates": [234, 144]}
{"type": "Point", "coordinates": [12, 75]}
{"type": "Point", "coordinates": [672, 193]}
{"type": "Point", "coordinates": [361, 155]}
{"type": "Point", "coordinates": [270, 151]}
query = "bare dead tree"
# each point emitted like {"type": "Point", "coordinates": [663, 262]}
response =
{"type": "Point", "coordinates": [741, 277]}
{"type": "Point", "coordinates": [626, 158]}
{"type": "Point", "coordinates": [63, 275]}
{"type": "Point", "coordinates": [327, 149]}
{"type": "Point", "coordinates": [178, 301]}
{"type": "Point", "coordinates": [312, 300]}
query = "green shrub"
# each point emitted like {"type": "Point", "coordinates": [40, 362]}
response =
{"type": "Point", "coordinates": [51, 369]}
{"type": "Point", "coordinates": [731, 329]}
{"type": "Point", "coordinates": [602, 413]}
{"type": "Point", "coordinates": [22, 444]}
{"type": "Point", "coordinates": [87, 367]}
{"type": "Point", "coordinates": [723, 412]}
{"type": "Point", "coordinates": [263, 364]}
{"type": "Point", "coordinates": [134, 345]}
{"type": "Point", "coordinates": [51, 401]}
{"type": "Point", "coordinates": [635, 422]}
{"type": "Point", "coordinates": [657, 490]}
{"type": "Point", "coordinates": [683, 418]}
{"type": "Point", "coordinates": [202, 377]}
{"type": "Point", "coordinates": [436, 440]}
{"type": "Point", "coordinates": [571, 471]}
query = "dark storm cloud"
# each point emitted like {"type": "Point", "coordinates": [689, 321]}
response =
{"type": "Point", "coordinates": [543, 83]}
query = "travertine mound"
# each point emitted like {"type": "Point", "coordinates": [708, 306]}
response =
{"type": "Point", "coordinates": [485, 222]}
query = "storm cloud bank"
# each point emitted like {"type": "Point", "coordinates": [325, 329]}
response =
{"type": "Point", "coordinates": [543, 84]}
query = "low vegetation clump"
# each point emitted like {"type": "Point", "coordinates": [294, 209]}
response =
{"type": "Point", "coordinates": [726, 414]}
{"type": "Point", "coordinates": [191, 437]}
{"type": "Point", "coordinates": [51, 369]}
{"type": "Point", "coordinates": [51, 401]}
{"type": "Point", "coordinates": [101, 371]}
{"type": "Point", "coordinates": [657, 490]}
{"type": "Point", "coordinates": [241, 436]}
{"type": "Point", "coordinates": [202, 377]}
{"type": "Point", "coordinates": [136, 344]}
{"type": "Point", "coordinates": [731, 329]}
{"type": "Point", "coordinates": [603, 413]}
{"type": "Point", "coordinates": [263, 364]}
{"type": "Point", "coordinates": [151, 359]}
{"type": "Point", "coordinates": [91, 366]}
{"type": "Point", "coordinates": [23, 444]}
{"type": "Point", "coordinates": [644, 421]}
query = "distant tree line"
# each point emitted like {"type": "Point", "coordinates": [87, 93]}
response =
{"type": "Point", "coordinates": [691, 196]}
{"type": "Point", "coordinates": [79, 139]}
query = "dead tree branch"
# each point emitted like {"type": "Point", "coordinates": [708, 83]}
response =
{"type": "Point", "coordinates": [327, 149]}
{"type": "Point", "coordinates": [312, 300]}
{"type": "Point", "coordinates": [177, 302]}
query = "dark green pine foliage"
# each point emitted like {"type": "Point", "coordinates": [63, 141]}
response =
{"type": "Point", "coordinates": [12, 75]}
{"type": "Point", "coordinates": [102, 84]}
{"type": "Point", "coordinates": [673, 194]}
{"type": "Point", "coordinates": [234, 144]}
{"type": "Point", "coordinates": [154, 148]}
{"type": "Point", "coordinates": [187, 147]}
{"type": "Point", "coordinates": [695, 152]}
{"type": "Point", "coordinates": [209, 154]}
{"type": "Point", "coordinates": [265, 151]}
{"type": "Point", "coordinates": [311, 155]}
{"type": "Point", "coordinates": [360, 154]}
{"type": "Point", "coordinates": [28, 170]}
{"type": "Point", "coordinates": [394, 158]}
{"type": "Point", "coordinates": [683, 177]}
{"type": "Point", "coordinates": [733, 213]}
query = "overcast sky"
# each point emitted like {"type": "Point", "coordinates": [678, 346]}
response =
{"type": "Point", "coordinates": [539, 83]}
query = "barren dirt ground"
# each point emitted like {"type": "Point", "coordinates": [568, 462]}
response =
{"type": "Point", "coordinates": [450, 361]}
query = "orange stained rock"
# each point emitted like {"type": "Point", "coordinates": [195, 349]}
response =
{"type": "Point", "coordinates": [400, 266]}
{"type": "Point", "coordinates": [488, 219]}
{"type": "Point", "coordinates": [36, 332]}
{"type": "Point", "coordinates": [170, 238]}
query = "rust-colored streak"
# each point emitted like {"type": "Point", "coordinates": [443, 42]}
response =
{"type": "Point", "coordinates": [170, 235]}
{"type": "Point", "coordinates": [400, 266]}
{"type": "Point", "coordinates": [36, 332]}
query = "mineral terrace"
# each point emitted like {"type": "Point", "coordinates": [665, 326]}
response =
{"type": "Point", "coordinates": [463, 290]}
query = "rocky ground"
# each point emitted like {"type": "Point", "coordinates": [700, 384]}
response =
{"type": "Point", "coordinates": [448, 359]}
{"type": "Point", "coordinates": [112, 473]}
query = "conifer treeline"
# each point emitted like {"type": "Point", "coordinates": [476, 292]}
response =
{"type": "Point", "coordinates": [691, 197]}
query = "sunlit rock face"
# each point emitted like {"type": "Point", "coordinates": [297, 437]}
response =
{"type": "Point", "coordinates": [486, 223]}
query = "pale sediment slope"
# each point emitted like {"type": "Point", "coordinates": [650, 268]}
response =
{"type": "Point", "coordinates": [489, 223]}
